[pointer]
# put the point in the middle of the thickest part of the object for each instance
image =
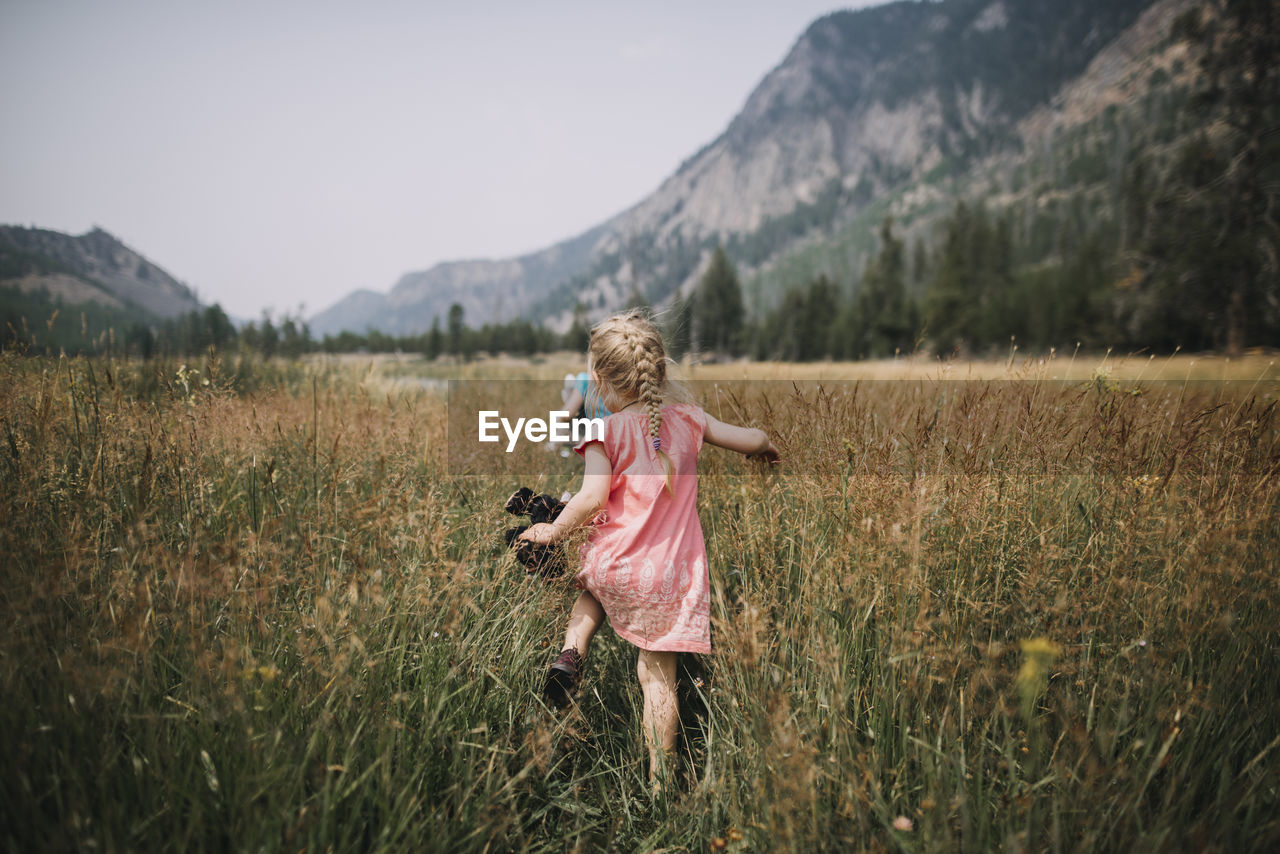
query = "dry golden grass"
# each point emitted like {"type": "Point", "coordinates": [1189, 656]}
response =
{"type": "Point", "coordinates": [261, 613]}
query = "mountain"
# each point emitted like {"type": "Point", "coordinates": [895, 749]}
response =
{"type": "Point", "coordinates": [486, 290]}
{"type": "Point", "coordinates": [92, 268]}
{"type": "Point", "coordinates": [1068, 153]}
{"type": "Point", "coordinates": [867, 106]}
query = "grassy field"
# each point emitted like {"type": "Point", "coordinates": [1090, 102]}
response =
{"type": "Point", "coordinates": [1016, 605]}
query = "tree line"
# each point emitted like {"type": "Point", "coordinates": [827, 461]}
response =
{"type": "Point", "coordinates": [289, 336]}
{"type": "Point", "coordinates": [966, 295]}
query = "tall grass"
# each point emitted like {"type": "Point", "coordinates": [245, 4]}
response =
{"type": "Point", "coordinates": [258, 613]}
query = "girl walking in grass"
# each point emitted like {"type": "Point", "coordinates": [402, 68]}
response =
{"type": "Point", "coordinates": [645, 563]}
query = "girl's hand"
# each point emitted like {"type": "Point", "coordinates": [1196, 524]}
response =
{"type": "Point", "coordinates": [543, 533]}
{"type": "Point", "coordinates": [752, 441]}
{"type": "Point", "coordinates": [769, 454]}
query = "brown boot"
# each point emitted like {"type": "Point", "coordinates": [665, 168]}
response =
{"type": "Point", "coordinates": [562, 678]}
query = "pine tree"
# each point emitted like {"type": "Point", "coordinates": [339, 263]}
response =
{"type": "Point", "coordinates": [882, 299]}
{"type": "Point", "coordinates": [820, 309]}
{"type": "Point", "coordinates": [269, 337]}
{"type": "Point", "coordinates": [788, 328]}
{"type": "Point", "coordinates": [966, 299]}
{"type": "Point", "coordinates": [719, 312]}
{"type": "Point", "coordinates": [218, 327]}
{"type": "Point", "coordinates": [456, 328]}
{"type": "Point", "coordinates": [578, 335]}
{"type": "Point", "coordinates": [919, 262]}
{"type": "Point", "coordinates": [435, 341]}
{"type": "Point", "coordinates": [1000, 318]}
{"type": "Point", "coordinates": [949, 295]}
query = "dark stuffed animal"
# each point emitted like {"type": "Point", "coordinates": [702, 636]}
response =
{"type": "Point", "coordinates": [547, 561]}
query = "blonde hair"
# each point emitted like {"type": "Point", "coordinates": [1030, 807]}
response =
{"type": "Point", "coordinates": [627, 354]}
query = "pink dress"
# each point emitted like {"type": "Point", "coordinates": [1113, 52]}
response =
{"type": "Point", "coordinates": [645, 560]}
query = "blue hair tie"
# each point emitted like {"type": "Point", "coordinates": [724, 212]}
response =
{"type": "Point", "coordinates": [657, 443]}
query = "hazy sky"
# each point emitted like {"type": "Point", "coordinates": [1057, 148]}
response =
{"type": "Point", "coordinates": [272, 154]}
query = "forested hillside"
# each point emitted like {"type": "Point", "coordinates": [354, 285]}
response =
{"type": "Point", "coordinates": [85, 292]}
{"type": "Point", "coordinates": [1150, 224]}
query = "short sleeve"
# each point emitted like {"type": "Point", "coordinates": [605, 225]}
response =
{"type": "Point", "coordinates": [699, 419]}
{"type": "Point", "coordinates": [581, 446]}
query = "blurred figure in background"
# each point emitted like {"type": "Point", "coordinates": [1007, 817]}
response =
{"type": "Point", "coordinates": [581, 398]}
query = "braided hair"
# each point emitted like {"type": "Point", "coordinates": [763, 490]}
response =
{"type": "Point", "coordinates": [627, 354]}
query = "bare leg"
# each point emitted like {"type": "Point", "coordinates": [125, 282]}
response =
{"type": "Point", "coordinates": [566, 671]}
{"type": "Point", "coordinates": [584, 620]}
{"type": "Point", "coordinates": [657, 672]}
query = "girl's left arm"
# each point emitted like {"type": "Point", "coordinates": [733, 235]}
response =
{"type": "Point", "coordinates": [593, 495]}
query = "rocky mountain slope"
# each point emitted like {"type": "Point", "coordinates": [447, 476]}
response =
{"type": "Point", "coordinates": [867, 105]}
{"type": "Point", "coordinates": [90, 268]}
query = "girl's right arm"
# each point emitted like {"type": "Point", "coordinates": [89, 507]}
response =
{"type": "Point", "coordinates": [744, 440]}
{"type": "Point", "coordinates": [593, 495]}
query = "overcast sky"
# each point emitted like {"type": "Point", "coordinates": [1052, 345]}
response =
{"type": "Point", "coordinates": [277, 154]}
